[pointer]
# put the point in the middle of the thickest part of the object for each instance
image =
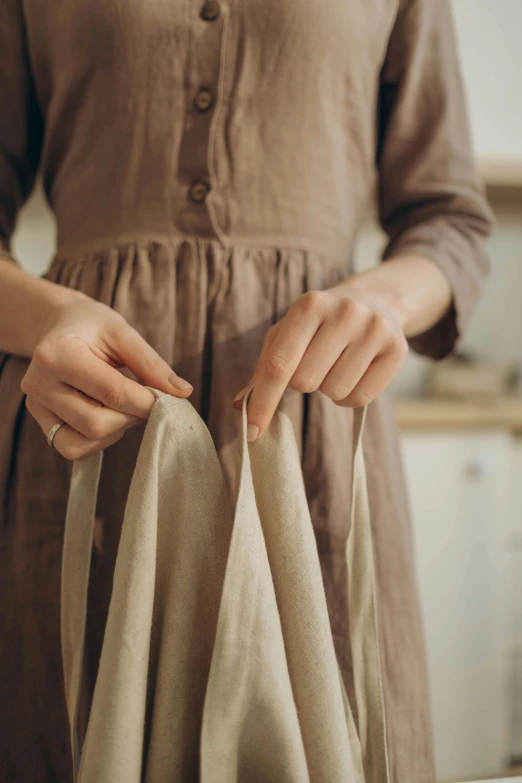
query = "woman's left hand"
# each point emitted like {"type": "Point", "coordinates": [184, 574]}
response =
{"type": "Point", "coordinates": [337, 341]}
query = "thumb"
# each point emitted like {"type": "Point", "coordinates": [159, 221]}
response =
{"type": "Point", "coordinates": [147, 365]}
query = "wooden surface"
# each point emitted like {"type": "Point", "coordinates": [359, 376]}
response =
{"type": "Point", "coordinates": [509, 779]}
{"type": "Point", "coordinates": [501, 172]}
{"type": "Point", "coordinates": [432, 414]}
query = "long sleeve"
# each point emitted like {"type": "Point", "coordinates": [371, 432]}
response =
{"type": "Point", "coordinates": [20, 121]}
{"type": "Point", "coordinates": [431, 201]}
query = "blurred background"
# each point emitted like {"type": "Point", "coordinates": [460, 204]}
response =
{"type": "Point", "coordinates": [461, 434]}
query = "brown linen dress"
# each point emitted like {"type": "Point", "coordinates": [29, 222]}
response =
{"type": "Point", "coordinates": [206, 166]}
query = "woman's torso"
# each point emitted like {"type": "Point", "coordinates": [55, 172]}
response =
{"type": "Point", "coordinates": [287, 145]}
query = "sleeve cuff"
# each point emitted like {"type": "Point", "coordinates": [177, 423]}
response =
{"type": "Point", "coordinates": [461, 257]}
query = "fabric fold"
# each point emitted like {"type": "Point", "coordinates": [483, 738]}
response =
{"type": "Point", "coordinates": [218, 662]}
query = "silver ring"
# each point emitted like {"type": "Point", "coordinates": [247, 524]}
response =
{"type": "Point", "coordinates": [52, 432]}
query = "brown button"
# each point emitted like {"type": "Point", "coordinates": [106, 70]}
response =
{"type": "Point", "coordinates": [203, 100]}
{"type": "Point", "coordinates": [211, 10]}
{"type": "Point", "coordinates": [198, 191]}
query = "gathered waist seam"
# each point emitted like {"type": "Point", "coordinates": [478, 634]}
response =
{"type": "Point", "coordinates": [72, 251]}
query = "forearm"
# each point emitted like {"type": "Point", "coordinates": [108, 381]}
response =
{"type": "Point", "coordinates": [412, 287]}
{"type": "Point", "coordinates": [27, 304]}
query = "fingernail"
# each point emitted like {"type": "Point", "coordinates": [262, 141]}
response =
{"type": "Point", "coordinates": [179, 383]}
{"type": "Point", "coordinates": [240, 394]}
{"type": "Point", "coordinates": [252, 432]}
{"type": "Point", "coordinates": [238, 399]}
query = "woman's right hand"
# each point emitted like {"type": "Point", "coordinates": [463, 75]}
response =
{"type": "Point", "coordinates": [74, 377]}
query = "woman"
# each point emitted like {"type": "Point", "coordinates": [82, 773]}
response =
{"type": "Point", "coordinates": [209, 163]}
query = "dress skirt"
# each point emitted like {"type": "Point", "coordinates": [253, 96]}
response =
{"type": "Point", "coordinates": [206, 310]}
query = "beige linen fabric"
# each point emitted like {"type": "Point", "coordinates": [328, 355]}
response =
{"type": "Point", "coordinates": [312, 104]}
{"type": "Point", "coordinates": [218, 662]}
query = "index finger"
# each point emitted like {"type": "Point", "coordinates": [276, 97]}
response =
{"type": "Point", "coordinates": [85, 371]}
{"type": "Point", "coordinates": [276, 370]}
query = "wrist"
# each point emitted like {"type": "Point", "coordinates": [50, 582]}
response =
{"type": "Point", "coordinates": [54, 302]}
{"type": "Point", "coordinates": [29, 306]}
{"type": "Point", "coordinates": [411, 288]}
{"type": "Point", "coordinates": [370, 288]}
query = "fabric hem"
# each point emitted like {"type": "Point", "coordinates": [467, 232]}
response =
{"type": "Point", "coordinates": [441, 339]}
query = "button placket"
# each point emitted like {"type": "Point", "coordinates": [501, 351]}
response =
{"type": "Point", "coordinates": [211, 10]}
{"type": "Point", "coordinates": [204, 99]}
{"type": "Point", "coordinates": [198, 191]}
{"type": "Point", "coordinates": [194, 157]}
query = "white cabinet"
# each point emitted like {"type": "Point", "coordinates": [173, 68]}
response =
{"type": "Point", "coordinates": [461, 498]}
{"type": "Point", "coordinates": [515, 587]}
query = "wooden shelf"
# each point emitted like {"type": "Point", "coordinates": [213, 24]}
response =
{"type": "Point", "coordinates": [501, 173]}
{"type": "Point", "coordinates": [432, 414]}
